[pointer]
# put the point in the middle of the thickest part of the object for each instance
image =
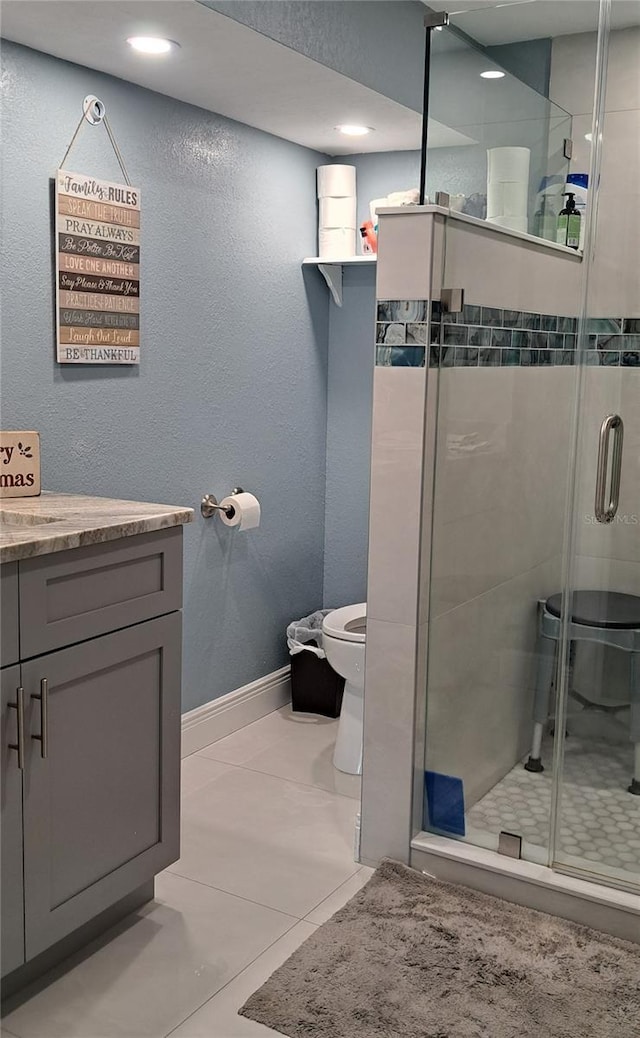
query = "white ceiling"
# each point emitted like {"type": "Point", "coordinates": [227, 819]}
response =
{"type": "Point", "coordinates": [507, 21]}
{"type": "Point", "coordinates": [223, 67]}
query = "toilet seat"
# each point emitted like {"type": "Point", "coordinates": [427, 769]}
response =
{"type": "Point", "coordinates": [347, 624]}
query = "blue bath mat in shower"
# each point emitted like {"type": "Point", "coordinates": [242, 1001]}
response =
{"type": "Point", "coordinates": [445, 803]}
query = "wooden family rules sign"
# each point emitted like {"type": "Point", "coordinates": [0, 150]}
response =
{"type": "Point", "coordinates": [97, 270]}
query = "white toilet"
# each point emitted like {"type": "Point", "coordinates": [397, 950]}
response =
{"type": "Point", "coordinates": [344, 634]}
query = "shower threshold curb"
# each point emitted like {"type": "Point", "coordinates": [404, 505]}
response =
{"type": "Point", "coordinates": [591, 904]}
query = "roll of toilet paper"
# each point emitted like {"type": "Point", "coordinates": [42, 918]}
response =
{"type": "Point", "coordinates": [507, 198]}
{"type": "Point", "coordinates": [495, 199]}
{"type": "Point", "coordinates": [512, 223]}
{"type": "Point", "coordinates": [337, 212]}
{"type": "Point", "coordinates": [336, 242]}
{"type": "Point", "coordinates": [508, 164]}
{"type": "Point", "coordinates": [515, 197]}
{"type": "Point", "coordinates": [336, 181]}
{"type": "Point", "coordinates": [246, 511]}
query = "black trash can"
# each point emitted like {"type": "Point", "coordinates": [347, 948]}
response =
{"type": "Point", "coordinates": [315, 686]}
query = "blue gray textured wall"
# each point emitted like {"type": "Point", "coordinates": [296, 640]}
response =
{"type": "Point", "coordinates": [376, 42]}
{"type": "Point", "coordinates": [232, 384]}
{"type": "Point", "coordinates": [380, 172]}
{"type": "Point", "coordinates": [350, 397]}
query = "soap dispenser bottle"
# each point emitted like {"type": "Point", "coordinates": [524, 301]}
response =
{"type": "Point", "coordinates": [569, 221]}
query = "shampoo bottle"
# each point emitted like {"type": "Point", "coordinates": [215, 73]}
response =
{"type": "Point", "coordinates": [569, 224]}
{"type": "Point", "coordinates": [579, 184]}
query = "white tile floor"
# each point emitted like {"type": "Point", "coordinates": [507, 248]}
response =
{"type": "Point", "coordinates": [600, 820]}
{"type": "Point", "coordinates": [267, 855]}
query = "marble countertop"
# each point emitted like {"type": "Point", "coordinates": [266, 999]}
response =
{"type": "Point", "coordinates": [55, 522]}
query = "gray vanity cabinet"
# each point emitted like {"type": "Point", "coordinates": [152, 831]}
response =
{"type": "Point", "coordinates": [11, 793]}
{"type": "Point", "coordinates": [93, 815]}
{"type": "Point", "coordinates": [101, 809]}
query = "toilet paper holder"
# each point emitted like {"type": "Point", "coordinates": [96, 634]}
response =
{"type": "Point", "coordinates": [209, 505]}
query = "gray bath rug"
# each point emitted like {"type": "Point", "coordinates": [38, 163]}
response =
{"type": "Point", "coordinates": [410, 957]}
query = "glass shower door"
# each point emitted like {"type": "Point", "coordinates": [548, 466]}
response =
{"type": "Point", "coordinates": [597, 809]}
{"type": "Point", "coordinates": [532, 479]}
{"type": "Point", "coordinates": [596, 830]}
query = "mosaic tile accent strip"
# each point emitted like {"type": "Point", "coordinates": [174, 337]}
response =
{"type": "Point", "coordinates": [487, 336]}
{"type": "Point", "coordinates": [402, 333]}
{"type": "Point", "coordinates": [400, 356]}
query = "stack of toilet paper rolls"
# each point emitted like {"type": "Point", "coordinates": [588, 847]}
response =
{"type": "Point", "coordinates": [337, 212]}
{"type": "Point", "coordinates": [508, 187]}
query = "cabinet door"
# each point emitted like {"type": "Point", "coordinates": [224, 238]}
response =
{"type": "Point", "coordinates": [11, 835]}
{"type": "Point", "coordinates": [101, 810]}
{"type": "Point", "coordinates": [9, 651]}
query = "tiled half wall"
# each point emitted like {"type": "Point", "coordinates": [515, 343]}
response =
{"type": "Point", "coordinates": [486, 336]}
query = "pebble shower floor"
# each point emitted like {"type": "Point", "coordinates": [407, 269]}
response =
{"type": "Point", "coordinates": [600, 820]}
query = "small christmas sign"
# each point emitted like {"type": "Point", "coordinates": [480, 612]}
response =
{"type": "Point", "coordinates": [19, 464]}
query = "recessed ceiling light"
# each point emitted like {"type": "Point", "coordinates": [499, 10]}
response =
{"type": "Point", "coordinates": [492, 73]}
{"type": "Point", "coordinates": [352, 130]}
{"type": "Point", "coordinates": [151, 44]}
{"type": "Point", "coordinates": [588, 136]}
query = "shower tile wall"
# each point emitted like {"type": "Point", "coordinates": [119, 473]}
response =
{"type": "Point", "coordinates": [395, 641]}
{"type": "Point", "coordinates": [501, 474]}
{"type": "Point", "coordinates": [614, 274]}
{"type": "Point", "coordinates": [501, 467]}
{"type": "Point", "coordinates": [393, 589]}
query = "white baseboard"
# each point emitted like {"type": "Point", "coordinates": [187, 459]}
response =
{"type": "Point", "coordinates": [227, 714]}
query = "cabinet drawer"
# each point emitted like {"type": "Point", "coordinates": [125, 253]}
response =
{"type": "Point", "coordinates": [9, 614]}
{"type": "Point", "coordinates": [75, 595]}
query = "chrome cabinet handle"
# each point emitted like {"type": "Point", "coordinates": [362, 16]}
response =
{"type": "Point", "coordinates": [43, 738]}
{"type": "Point", "coordinates": [18, 706]}
{"type": "Point", "coordinates": [606, 511]}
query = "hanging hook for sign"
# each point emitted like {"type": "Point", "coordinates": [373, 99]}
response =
{"type": "Point", "coordinates": [94, 109]}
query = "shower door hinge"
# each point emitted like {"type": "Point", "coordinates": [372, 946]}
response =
{"type": "Point", "coordinates": [357, 838]}
{"type": "Point", "coordinates": [435, 19]}
{"type": "Point", "coordinates": [568, 148]}
{"type": "Point", "coordinates": [452, 300]}
{"type": "Point", "coordinates": [510, 845]}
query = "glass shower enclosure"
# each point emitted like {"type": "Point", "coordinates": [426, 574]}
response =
{"type": "Point", "coordinates": [477, 115]}
{"type": "Point", "coordinates": [532, 730]}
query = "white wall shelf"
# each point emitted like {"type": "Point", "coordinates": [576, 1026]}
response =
{"type": "Point", "coordinates": [331, 270]}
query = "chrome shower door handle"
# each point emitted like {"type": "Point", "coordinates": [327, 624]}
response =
{"type": "Point", "coordinates": [606, 510]}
